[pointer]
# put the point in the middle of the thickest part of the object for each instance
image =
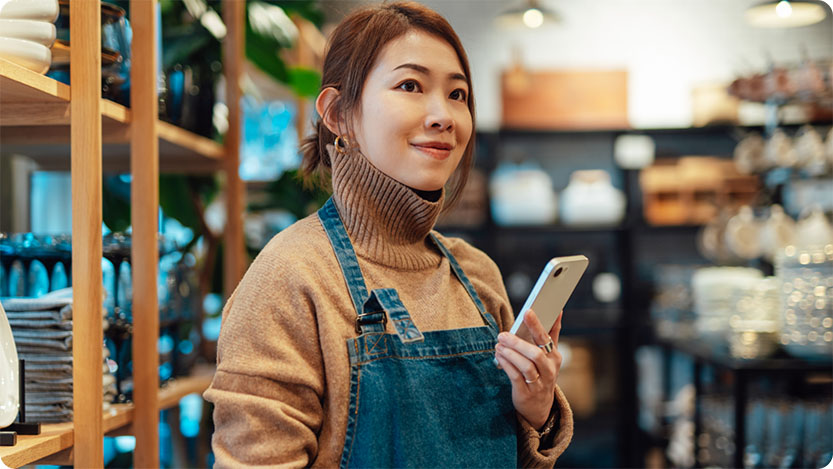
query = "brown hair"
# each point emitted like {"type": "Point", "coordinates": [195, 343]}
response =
{"type": "Point", "coordinates": [353, 47]}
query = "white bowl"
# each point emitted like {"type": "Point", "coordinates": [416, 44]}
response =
{"type": "Point", "coordinates": [43, 10]}
{"type": "Point", "coordinates": [30, 30]}
{"type": "Point", "coordinates": [36, 57]}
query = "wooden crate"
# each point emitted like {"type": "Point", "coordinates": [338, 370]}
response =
{"type": "Point", "coordinates": [565, 99]}
{"type": "Point", "coordinates": [691, 190]}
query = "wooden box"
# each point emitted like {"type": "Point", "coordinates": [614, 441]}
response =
{"type": "Point", "coordinates": [692, 189]}
{"type": "Point", "coordinates": [565, 99]}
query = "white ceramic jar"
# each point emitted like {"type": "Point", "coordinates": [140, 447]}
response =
{"type": "Point", "coordinates": [522, 195]}
{"type": "Point", "coordinates": [591, 199]}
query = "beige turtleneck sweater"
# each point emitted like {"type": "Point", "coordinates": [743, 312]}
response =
{"type": "Point", "coordinates": [281, 391]}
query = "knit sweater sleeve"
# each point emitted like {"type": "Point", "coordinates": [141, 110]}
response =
{"type": "Point", "coordinates": [488, 282]}
{"type": "Point", "coordinates": [268, 388]}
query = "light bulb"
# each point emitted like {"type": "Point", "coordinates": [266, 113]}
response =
{"type": "Point", "coordinates": [783, 9]}
{"type": "Point", "coordinates": [533, 18]}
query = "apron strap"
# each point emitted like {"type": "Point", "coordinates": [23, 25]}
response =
{"type": "Point", "coordinates": [370, 309]}
{"type": "Point", "coordinates": [330, 219]}
{"type": "Point", "coordinates": [387, 299]}
{"type": "Point", "coordinates": [458, 271]}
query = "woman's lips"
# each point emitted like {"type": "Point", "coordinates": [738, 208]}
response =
{"type": "Point", "coordinates": [434, 152]}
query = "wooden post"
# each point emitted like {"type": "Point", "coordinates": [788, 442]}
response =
{"type": "Point", "coordinates": [144, 197]}
{"type": "Point", "coordinates": [303, 58]}
{"type": "Point", "coordinates": [234, 254]}
{"type": "Point", "coordinates": [88, 301]}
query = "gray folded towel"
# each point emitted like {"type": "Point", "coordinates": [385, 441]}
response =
{"type": "Point", "coordinates": [41, 323]}
{"type": "Point", "coordinates": [35, 304]}
{"type": "Point", "coordinates": [35, 345]}
{"type": "Point", "coordinates": [30, 350]}
{"type": "Point", "coordinates": [45, 358]}
{"type": "Point", "coordinates": [47, 334]}
{"type": "Point", "coordinates": [44, 398]}
{"type": "Point", "coordinates": [47, 387]}
{"type": "Point", "coordinates": [63, 314]}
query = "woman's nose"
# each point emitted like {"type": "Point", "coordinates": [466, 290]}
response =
{"type": "Point", "coordinates": [439, 115]}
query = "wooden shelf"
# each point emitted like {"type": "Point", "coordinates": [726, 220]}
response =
{"type": "Point", "coordinates": [179, 150]}
{"type": "Point", "coordinates": [58, 438]}
{"type": "Point", "coordinates": [54, 437]}
{"type": "Point", "coordinates": [29, 99]}
{"type": "Point", "coordinates": [35, 121]}
{"type": "Point", "coordinates": [780, 362]}
{"type": "Point", "coordinates": [199, 380]}
{"type": "Point", "coordinates": [21, 85]}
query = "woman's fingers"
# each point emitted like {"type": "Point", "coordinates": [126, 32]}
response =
{"type": "Point", "coordinates": [519, 369]}
{"type": "Point", "coordinates": [511, 371]}
{"type": "Point", "coordinates": [528, 350]}
{"type": "Point", "coordinates": [529, 360]}
{"type": "Point", "coordinates": [555, 332]}
{"type": "Point", "coordinates": [536, 329]}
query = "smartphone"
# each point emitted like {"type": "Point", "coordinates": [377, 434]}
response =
{"type": "Point", "coordinates": [550, 293]}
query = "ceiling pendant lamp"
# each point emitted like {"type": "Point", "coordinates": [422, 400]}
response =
{"type": "Point", "coordinates": [786, 14]}
{"type": "Point", "coordinates": [530, 14]}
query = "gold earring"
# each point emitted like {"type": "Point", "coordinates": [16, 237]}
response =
{"type": "Point", "coordinates": [341, 143]}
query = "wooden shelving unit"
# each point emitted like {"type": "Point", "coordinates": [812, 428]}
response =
{"type": "Point", "coordinates": [72, 128]}
{"type": "Point", "coordinates": [35, 120]}
{"type": "Point", "coordinates": [55, 438]}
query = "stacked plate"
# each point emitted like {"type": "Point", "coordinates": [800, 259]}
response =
{"type": "Point", "coordinates": [754, 327]}
{"type": "Point", "coordinates": [27, 32]}
{"type": "Point", "coordinates": [807, 301]}
{"type": "Point", "coordinates": [717, 293]}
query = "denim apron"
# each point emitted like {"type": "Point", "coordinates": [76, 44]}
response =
{"type": "Point", "coordinates": [432, 399]}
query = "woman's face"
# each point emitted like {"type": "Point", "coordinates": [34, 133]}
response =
{"type": "Point", "coordinates": [414, 122]}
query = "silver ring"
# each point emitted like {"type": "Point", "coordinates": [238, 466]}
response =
{"type": "Point", "coordinates": [547, 348]}
{"type": "Point", "coordinates": [532, 381]}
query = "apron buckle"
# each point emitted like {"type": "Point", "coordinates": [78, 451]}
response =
{"type": "Point", "coordinates": [371, 318]}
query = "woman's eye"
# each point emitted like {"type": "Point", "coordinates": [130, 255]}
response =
{"type": "Point", "coordinates": [409, 86]}
{"type": "Point", "coordinates": [458, 95]}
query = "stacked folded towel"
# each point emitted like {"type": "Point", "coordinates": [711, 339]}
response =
{"type": "Point", "coordinates": [42, 330]}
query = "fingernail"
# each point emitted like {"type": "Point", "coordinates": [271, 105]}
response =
{"type": "Point", "coordinates": [502, 336]}
{"type": "Point", "coordinates": [499, 347]}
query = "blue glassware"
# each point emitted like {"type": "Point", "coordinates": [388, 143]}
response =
{"type": "Point", "coordinates": [17, 279]}
{"type": "Point", "coordinates": [38, 279]}
{"type": "Point", "coordinates": [59, 277]}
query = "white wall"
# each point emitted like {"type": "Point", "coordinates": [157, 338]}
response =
{"type": "Point", "coordinates": [667, 46]}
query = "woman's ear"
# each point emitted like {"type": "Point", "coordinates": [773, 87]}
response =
{"type": "Point", "coordinates": [325, 105]}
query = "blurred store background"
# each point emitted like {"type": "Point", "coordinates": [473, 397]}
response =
{"type": "Point", "coordinates": [685, 147]}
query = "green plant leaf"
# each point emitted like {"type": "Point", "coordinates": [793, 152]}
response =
{"type": "Point", "coordinates": [175, 200]}
{"type": "Point", "coordinates": [263, 50]}
{"type": "Point", "coordinates": [263, 53]}
{"type": "Point", "coordinates": [305, 82]}
{"type": "Point", "coordinates": [186, 44]}
{"type": "Point", "coordinates": [307, 9]}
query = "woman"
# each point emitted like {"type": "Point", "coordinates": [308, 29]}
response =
{"type": "Point", "coordinates": [359, 336]}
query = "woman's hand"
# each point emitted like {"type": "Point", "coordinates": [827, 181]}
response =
{"type": "Point", "coordinates": [531, 369]}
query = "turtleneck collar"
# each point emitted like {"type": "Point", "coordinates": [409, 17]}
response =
{"type": "Point", "coordinates": [387, 221]}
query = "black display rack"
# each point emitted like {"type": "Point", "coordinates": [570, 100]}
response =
{"type": "Point", "coordinates": [743, 371]}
